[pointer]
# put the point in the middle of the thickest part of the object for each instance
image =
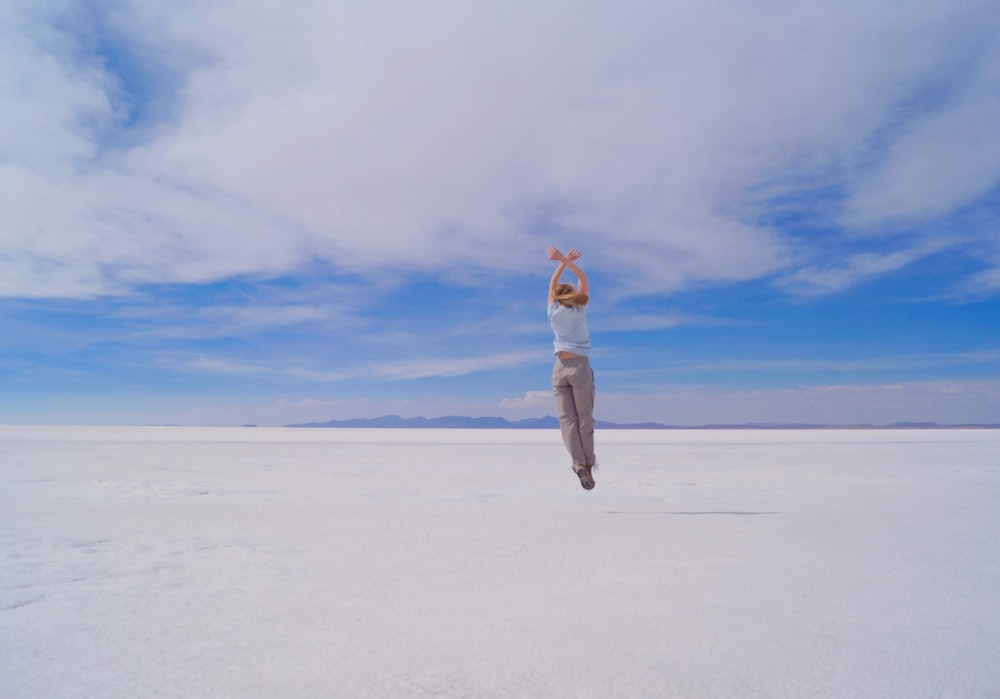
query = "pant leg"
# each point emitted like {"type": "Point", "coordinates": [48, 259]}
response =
{"type": "Point", "coordinates": [562, 388]}
{"type": "Point", "coordinates": [584, 393]}
{"type": "Point", "coordinates": [573, 386]}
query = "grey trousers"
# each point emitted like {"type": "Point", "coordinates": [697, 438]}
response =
{"type": "Point", "coordinates": [573, 386]}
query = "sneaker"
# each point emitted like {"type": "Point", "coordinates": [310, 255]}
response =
{"type": "Point", "coordinates": [585, 473]}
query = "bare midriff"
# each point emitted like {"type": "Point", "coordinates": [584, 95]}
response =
{"type": "Point", "coordinates": [569, 355]}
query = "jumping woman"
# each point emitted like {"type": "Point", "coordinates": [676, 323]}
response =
{"type": "Point", "coordinates": [572, 377]}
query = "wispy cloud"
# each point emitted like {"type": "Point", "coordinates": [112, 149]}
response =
{"type": "Point", "coordinates": [456, 366]}
{"type": "Point", "coordinates": [946, 157]}
{"type": "Point", "coordinates": [393, 370]}
{"type": "Point", "coordinates": [842, 274]}
{"type": "Point", "coordinates": [234, 321]}
{"type": "Point", "coordinates": [633, 323]}
{"type": "Point", "coordinates": [213, 365]}
{"type": "Point", "coordinates": [983, 283]}
{"type": "Point", "coordinates": [899, 362]}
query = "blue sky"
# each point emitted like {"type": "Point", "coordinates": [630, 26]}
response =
{"type": "Point", "coordinates": [215, 214]}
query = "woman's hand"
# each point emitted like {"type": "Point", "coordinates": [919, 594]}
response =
{"type": "Point", "coordinates": [566, 261]}
{"type": "Point", "coordinates": [555, 254]}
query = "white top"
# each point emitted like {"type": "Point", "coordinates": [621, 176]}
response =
{"type": "Point", "coordinates": [569, 324]}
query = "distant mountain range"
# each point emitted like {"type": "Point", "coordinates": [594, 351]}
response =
{"type": "Point", "coordinates": [549, 422]}
{"type": "Point", "coordinates": [450, 421]}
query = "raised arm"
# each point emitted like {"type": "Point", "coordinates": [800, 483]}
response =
{"type": "Point", "coordinates": [582, 288]}
{"type": "Point", "coordinates": [567, 261]}
{"type": "Point", "coordinates": [555, 280]}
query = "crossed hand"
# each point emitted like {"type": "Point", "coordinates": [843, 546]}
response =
{"type": "Point", "coordinates": [555, 254]}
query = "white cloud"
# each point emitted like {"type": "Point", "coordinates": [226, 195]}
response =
{"type": "Point", "coordinates": [899, 362]}
{"type": "Point", "coordinates": [816, 280]}
{"type": "Point", "coordinates": [454, 366]}
{"type": "Point", "coordinates": [618, 323]}
{"type": "Point", "coordinates": [392, 370]}
{"type": "Point", "coordinates": [233, 321]}
{"type": "Point", "coordinates": [942, 160]}
{"type": "Point", "coordinates": [211, 365]}
{"type": "Point", "coordinates": [532, 403]}
{"type": "Point", "coordinates": [452, 134]}
{"type": "Point", "coordinates": [985, 282]}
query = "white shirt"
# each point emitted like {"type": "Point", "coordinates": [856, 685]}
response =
{"type": "Point", "coordinates": [569, 324]}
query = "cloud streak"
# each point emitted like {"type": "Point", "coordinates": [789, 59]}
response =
{"type": "Point", "coordinates": [392, 370]}
{"type": "Point", "coordinates": [818, 280]}
{"type": "Point", "coordinates": [878, 364]}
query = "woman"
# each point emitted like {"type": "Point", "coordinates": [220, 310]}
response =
{"type": "Point", "coordinates": [572, 377]}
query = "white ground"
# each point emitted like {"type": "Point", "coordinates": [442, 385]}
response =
{"type": "Point", "coordinates": [177, 562]}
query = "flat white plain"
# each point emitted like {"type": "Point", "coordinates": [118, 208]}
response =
{"type": "Point", "coordinates": [226, 562]}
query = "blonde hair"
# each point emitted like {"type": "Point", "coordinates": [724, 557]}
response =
{"type": "Point", "coordinates": [567, 295]}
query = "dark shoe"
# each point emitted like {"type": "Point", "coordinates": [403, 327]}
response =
{"type": "Point", "coordinates": [585, 473]}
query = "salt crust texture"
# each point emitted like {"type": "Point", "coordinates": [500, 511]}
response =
{"type": "Point", "coordinates": [215, 562]}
